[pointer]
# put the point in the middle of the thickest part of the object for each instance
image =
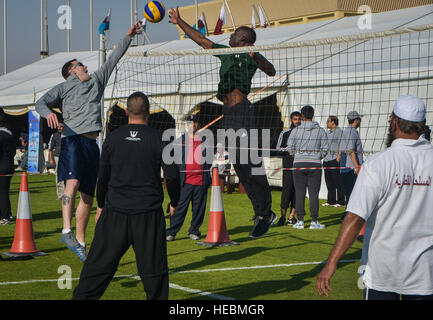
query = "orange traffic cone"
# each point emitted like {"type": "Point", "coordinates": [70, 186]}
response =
{"type": "Point", "coordinates": [217, 234]}
{"type": "Point", "coordinates": [24, 243]}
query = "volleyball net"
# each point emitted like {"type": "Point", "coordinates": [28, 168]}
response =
{"type": "Point", "coordinates": [364, 73]}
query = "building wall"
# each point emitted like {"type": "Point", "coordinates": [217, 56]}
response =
{"type": "Point", "coordinates": [284, 12]}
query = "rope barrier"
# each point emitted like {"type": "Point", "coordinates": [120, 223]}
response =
{"type": "Point", "coordinates": [283, 169]}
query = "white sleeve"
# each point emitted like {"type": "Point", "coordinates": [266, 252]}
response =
{"type": "Point", "coordinates": [365, 194]}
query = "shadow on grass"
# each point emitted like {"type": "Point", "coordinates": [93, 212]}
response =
{"type": "Point", "coordinates": [230, 256]}
{"type": "Point", "coordinates": [6, 242]}
{"type": "Point", "coordinates": [47, 215]}
{"type": "Point", "coordinates": [268, 287]}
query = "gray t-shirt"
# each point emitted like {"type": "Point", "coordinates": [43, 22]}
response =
{"type": "Point", "coordinates": [334, 138]}
{"type": "Point", "coordinates": [350, 141]}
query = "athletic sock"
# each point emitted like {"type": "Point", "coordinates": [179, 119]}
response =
{"type": "Point", "coordinates": [83, 244]}
{"type": "Point", "coordinates": [66, 231]}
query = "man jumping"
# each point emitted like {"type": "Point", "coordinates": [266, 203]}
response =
{"type": "Point", "coordinates": [236, 73]}
{"type": "Point", "coordinates": [80, 99]}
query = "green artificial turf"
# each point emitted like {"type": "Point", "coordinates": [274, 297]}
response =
{"type": "Point", "coordinates": [283, 265]}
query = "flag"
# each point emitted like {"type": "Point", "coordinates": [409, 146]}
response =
{"type": "Point", "coordinates": [262, 18]}
{"type": "Point", "coordinates": [105, 25]}
{"type": "Point", "coordinates": [221, 21]}
{"type": "Point", "coordinates": [253, 20]}
{"type": "Point", "coordinates": [143, 24]}
{"type": "Point", "coordinates": [201, 26]}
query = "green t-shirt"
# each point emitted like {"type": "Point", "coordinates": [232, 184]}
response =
{"type": "Point", "coordinates": [236, 72]}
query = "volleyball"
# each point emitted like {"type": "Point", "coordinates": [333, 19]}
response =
{"type": "Point", "coordinates": [154, 11]}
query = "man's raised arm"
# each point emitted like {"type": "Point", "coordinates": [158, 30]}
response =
{"type": "Point", "coordinates": [104, 72]}
{"type": "Point", "coordinates": [194, 34]}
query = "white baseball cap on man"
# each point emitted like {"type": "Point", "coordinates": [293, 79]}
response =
{"type": "Point", "coordinates": [409, 108]}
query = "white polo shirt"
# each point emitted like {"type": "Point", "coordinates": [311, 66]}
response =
{"type": "Point", "coordinates": [394, 194]}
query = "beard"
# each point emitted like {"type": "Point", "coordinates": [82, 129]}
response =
{"type": "Point", "coordinates": [390, 137]}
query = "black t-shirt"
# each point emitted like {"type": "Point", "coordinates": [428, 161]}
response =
{"type": "Point", "coordinates": [130, 170]}
{"type": "Point", "coordinates": [7, 151]}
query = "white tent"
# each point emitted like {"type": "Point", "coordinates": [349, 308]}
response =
{"type": "Point", "coordinates": [22, 87]}
{"type": "Point", "coordinates": [325, 78]}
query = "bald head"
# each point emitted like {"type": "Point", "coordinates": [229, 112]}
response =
{"type": "Point", "coordinates": [243, 36]}
{"type": "Point", "coordinates": [138, 105]}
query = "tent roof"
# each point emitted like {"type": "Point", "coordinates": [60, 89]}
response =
{"type": "Point", "coordinates": [25, 85]}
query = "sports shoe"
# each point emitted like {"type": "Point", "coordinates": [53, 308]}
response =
{"type": "Point", "coordinates": [337, 205]}
{"type": "Point", "coordinates": [72, 243]}
{"type": "Point", "coordinates": [262, 224]}
{"type": "Point", "coordinates": [326, 204]}
{"type": "Point", "coordinates": [169, 238]}
{"type": "Point", "coordinates": [316, 225]}
{"type": "Point", "coordinates": [291, 221]}
{"type": "Point", "coordinates": [4, 222]}
{"type": "Point", "coordinates": [299, 224]}
{"type": "Point", "coordinates": [194, 237]}
{"type": "Point", "coordinates": [281, 221]}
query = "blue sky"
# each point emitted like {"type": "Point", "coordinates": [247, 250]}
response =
{"type": "Point", "coordinates": [23, 27]}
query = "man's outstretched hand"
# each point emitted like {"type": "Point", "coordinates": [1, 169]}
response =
{"type": "Point", "coordinates": [137, 27]}
{"type": "Point", "coordinates": [174, 15]}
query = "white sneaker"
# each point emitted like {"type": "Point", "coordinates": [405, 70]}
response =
{"type": "Point", "coordinates": [326, 204]}
{"type": "Point", "coordinates": [299, 225]}
{"type": "Point", "coordinates": [337, 205]}
{"type": "Point", "coordinates": [194, 237]}
{"type": "Point", "coordinates": [316, 225]}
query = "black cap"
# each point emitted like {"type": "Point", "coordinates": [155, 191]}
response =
{"type": "Point", "coordinates": [192, 117]}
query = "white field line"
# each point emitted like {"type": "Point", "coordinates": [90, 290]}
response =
{"type": "Point", "coordinates": [195, 291]}
{"type": "Point", "coordinates": [261, 267]}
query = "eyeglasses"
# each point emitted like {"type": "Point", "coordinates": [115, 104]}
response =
{"type": "Point", "coordinates": [78, 64]}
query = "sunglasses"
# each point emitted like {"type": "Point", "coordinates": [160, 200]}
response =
{"type": "Point", "coordinates": [78, 64]}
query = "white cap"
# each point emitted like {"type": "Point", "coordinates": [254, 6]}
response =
{"type": "Point", "coordinates": [410, 108]}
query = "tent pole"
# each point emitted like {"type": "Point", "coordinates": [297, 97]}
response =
{"type": "Point", "coordinates": [101, 61]}
{"type": "Point", "coordinates": [91, 24]}
{"type": "Point", "coordinates": [5, 42]}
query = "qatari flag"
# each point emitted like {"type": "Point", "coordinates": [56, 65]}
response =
{"type": "Point", "coordinates": [221, 21]}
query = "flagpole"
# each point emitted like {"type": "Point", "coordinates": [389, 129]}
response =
{"type": "Point", "coordinates": [205, 24]}
{"type": "Point", "coordinates": [5, 69]}
{"type": "Point", "coordinates": [264, 13]}
{"type": "Point", "coordinates": [68, 35]}
{"type": "Point", "coordinates": [132, 12]}
{"type": "Point", "coordinates": [230, 14]}
{"type": "Point", "coordinates": [42, 29]}
{"type": "Point", "coordinates": [101, 61]}
{"type": "Point", "coordinates": [255, 12]}
{"type": "Point", "coordinates": [135, 19]}
{"type": "Point", "coordinates": [47, 47]}
{"type": "Point", "coordinates": [196, 14]}
{"type": "Point", "coordinates": [91, 24]}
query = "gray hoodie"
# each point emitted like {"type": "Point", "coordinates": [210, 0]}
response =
{"type": "Point", "coordinates": [80, 102]}
{"type": "Point", "coordinates": [308, 142]}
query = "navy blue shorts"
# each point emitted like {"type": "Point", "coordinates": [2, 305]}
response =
{"type": "Point", "coordinates": [79, 159]}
